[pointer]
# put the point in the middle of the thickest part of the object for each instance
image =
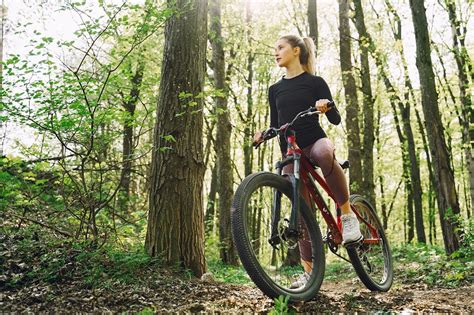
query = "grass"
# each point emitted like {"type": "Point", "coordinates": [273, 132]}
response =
{"type": "Point", "coordinates": [228, 273]}
{"type": "Point", "coordinates": [55, 261]}
{"type": "Point", "coordinates": [420, 263]}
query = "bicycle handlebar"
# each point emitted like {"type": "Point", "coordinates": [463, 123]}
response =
{"type": "Point", "coordinates": [273, 132]}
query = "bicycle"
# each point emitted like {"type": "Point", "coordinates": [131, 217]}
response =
{"type": "Point", "coordinates": [268, 222]}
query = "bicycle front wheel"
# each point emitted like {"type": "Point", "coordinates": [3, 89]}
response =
{"type": "Point", "coordinates": [372, 259]}
{"type": "Point", "coordinates": [275, 268]}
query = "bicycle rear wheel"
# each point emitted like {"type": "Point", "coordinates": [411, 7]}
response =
{"type": "Point", "coordinates": [372, 259]}
{"type": "Point", "coordinates": [275, 268]}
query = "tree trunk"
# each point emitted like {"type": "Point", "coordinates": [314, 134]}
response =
{"type": "Point", "coordinates": [350, 92]}
{"type": "Point", "coordinates": [409, 145]}
{"type": "Point", "coordinates": [3, 13]}
{"type": "Point", "coordinates": [211, 202]}
{"type": "Point", "coordinates": [223, 133]}
{"type": "Point", "coordinates": [313, 22]}
{"type": "Point", "coordinates": [175, 229]}
{"type": "Point", "coordinates": [248, 129]}
{"type": "Point", "coordinates": [368, 186]}
{"type": "Point", "coordinates": [444, 176]}
{"type": "Point", "coordinates": [129, 105]}
{"type": "Point", "coordinates": [462, 61]}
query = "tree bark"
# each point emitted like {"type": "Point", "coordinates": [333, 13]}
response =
{"type": "Point", "coordinates": [444, 176]}
{"type": "Point", "coordinates": [223, 133]}
{"type": "Point", "coordinates": [248, 129]}
{"type": "Point", "coordinates": [175, 230]}
{"type": "Point", "coordinates": [3, 14]}
{"type": "Point", "coordinates": [350, 93]}
{"type": "Point", "coordinates": [408, 144]}
{"type": "Point", "coordinates": [368, 186]}
{"type": "Point", "coordinates": [130, 104]}
{"type": "Point", "coordinates": [313, 23]}
{"type": "Point", "coordinates": [211, 202]}
{"type": "Point", "coordinates": [462, 62]}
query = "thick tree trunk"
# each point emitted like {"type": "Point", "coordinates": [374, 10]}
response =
{"type": "Point", "coordinates": [444, 176]}
{"type": "Point", "coordinates": [350, 92]}
{"type": "Point", "coordinates": [175, 229]}
{"type": "Point", "coordinates": [313, 22]}
{"type": "Point", "coordinates": [223, 133]}
{"type": "Point", "coordinates": [368, 186]}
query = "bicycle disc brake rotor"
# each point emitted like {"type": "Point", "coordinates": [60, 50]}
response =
{"type": "Point", "coordinates": [284, 234]}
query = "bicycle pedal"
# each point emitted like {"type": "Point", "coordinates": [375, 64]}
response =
{"type": "Point", "coordinates": [353, 243]}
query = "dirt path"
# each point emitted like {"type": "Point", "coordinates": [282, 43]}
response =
{"type": "Point", "coordinates": [164, 293]}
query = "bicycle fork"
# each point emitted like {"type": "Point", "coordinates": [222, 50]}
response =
{"type": "Point", "coordinates": [291, 232]}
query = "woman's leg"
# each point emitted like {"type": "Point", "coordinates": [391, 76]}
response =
{"type": "Point", "coordinates": [323, 152]}
{"type": "Point", "coordinates": [304, 244]}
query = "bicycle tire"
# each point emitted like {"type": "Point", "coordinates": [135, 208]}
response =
{"type": "Point", "coordinates": [265, 278]}
{"type": "Point", "coordinates": [372, 262]}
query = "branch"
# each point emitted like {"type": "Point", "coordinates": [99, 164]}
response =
{"type": "Point", "coordinates": [42, 224]}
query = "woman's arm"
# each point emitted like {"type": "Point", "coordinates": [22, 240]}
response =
{"type": "Point", "coordinates": [322, 88]}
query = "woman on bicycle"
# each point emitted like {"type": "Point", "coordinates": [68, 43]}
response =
{"type": "Point", "coordinates": [295, 92]}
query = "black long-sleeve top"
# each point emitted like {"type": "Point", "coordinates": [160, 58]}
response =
{"type": "Point", "coordinates": [288, 97]}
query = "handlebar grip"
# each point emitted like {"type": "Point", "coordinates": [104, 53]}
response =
{"type": "Point", "coordinates": [256, 144]}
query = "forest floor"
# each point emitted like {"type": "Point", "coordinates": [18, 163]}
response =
{"type": "Point", "coordinates": [37, 278]}
{"type": "Point", "coordinates": [163, 291]}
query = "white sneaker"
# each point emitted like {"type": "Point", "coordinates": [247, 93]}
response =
{"type": "Point", "coordinates": [350, 229]}
{"type": "Point", "coordinates": [301, 281]}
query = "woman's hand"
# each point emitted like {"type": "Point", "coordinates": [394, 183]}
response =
{"type": "Point", "coordinates": [321, 105]}
{"type": "Point", "coordinates": [257, 138]}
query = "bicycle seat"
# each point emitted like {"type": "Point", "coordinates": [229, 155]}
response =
{"type": "Point", "coordinates": [343, 163]}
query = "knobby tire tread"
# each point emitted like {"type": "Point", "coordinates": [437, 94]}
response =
{"type": "Point", "coordinates": [244, 248]}
{"type": "Point", "coordinates": [358, 265]}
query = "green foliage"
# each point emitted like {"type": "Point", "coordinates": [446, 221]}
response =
{"type": "Point", "coordinates": [281, 306]}
{"type": "Point", "coordinates": [466, 231]}
{"type": "Point", "coordinates": [36, 257]}
{"type": "Point", "coordinates": [228, 273]}
{"type": "Point", "coordinates": [148, 311]}
{"type": "Point", "coordinates": [419, 263]}
{"type": "Point", "coordinates": [30, 189]}
{"type": "Point", "coordinates": [337, 270]}
{"type": "Point", "coordinates": [80, 107]}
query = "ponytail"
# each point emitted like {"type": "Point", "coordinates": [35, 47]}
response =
{"type": "Point", "coordinates": [307, 49]}
{"type": "Point", "coordinates": [310, 65]}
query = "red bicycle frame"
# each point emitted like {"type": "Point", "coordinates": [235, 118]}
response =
{"type": "Point", "coordinates": [304, 169]}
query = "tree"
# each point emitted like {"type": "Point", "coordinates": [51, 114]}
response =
{"type": "Point", "coordinates": [313, 22]}
{"type": "Point", "coordinates": [129, 104]}
{"type": "Point", "coordinates": [350, 92]}
{"type": "Point", "coordinates": [3, 14]}
{"type": "Point", "coordinates": [411, 169]}
{"type": "Point", "coordinates": [463, 63]}
{"type": "Point", "coordinates": [175, 228]}
{"type": "Point", "coordinates": [448, 205]}
{"type": "Point", "coordinates": [368, 186]}
{"type": "Point", "coordinates": [223, 133]}
{"type": "Point", "coordinates": [249, 124]}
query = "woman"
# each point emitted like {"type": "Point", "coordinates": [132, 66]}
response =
{"type": "Point", "coordinates": [295, 92]}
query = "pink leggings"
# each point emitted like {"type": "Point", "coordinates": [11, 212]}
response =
{"type": "Point", "coordinates": [323, 153]}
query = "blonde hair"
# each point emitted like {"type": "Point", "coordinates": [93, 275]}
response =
{"type": "Point", "coordinates": [307, 49]}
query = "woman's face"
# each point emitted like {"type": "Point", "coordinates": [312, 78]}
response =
{"type": "Point", "coordinates": [284, 53]}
